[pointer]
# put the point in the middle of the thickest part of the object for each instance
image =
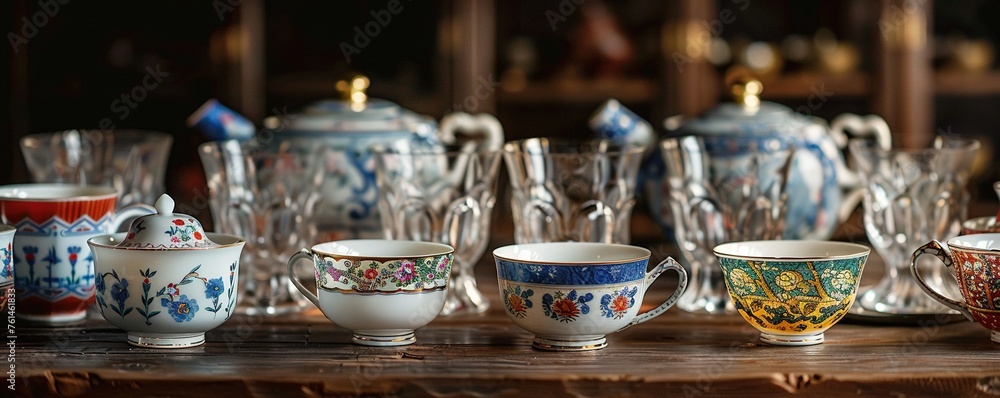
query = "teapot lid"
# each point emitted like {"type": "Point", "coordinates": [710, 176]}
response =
{"type": "Point", "coordinates": [354, 111]}
{"type": "Point", "coordinates": [747, 114]}
{"type": "Point", "coordinates": [165, 230]}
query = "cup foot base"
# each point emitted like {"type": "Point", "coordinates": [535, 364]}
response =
{"type": "Point", "coordinates": [169, 340]}
{"type": "Point", "coordinates": [552, 344]}
{"type": "Point", "coordinates": [384, 341]}
{"type": "Point", "coordinates": [791, 340]}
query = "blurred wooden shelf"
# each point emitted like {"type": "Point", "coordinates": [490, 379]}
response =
{"type": "Point", "coordinates": [628, 90]}
{"type": "Point", "coordinates": [858, 84]}
{"type": "Point", "coordinates": [967, 83]}
{"type": "Point", "coordinates": [805, 84]}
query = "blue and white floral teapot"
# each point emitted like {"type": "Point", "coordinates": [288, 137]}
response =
{"type": "Point", "coordinates": [349, 128]}
{"type": "Point", "coordinates": [822, 190]}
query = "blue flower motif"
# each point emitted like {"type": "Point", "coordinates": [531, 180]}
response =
{"type": "Point", "coordinates": [6, 271]}
{"type": "Point", "coordinates": [119, 292]}
{"type": "Point", "coordinates": [99, 283]}
{"type": "Point", "coordinates": [183, 309]}
{"type": "Point", "coordinates": [213, 288]}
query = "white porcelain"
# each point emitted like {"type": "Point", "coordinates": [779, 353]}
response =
{"type": "Point", "coordinates": [572, 294]}
{"type": "Point", "coordinates": [53, 267]}
{"type": "Point", "coordinates": [166, 298]}
{"type": "Point", "coordinates": [165, 229]}
{"type": "Point", "coordinates": [382, 290]}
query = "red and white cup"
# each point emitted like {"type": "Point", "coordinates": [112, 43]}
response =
{"type": "Point", "coordinates": [53, 267]}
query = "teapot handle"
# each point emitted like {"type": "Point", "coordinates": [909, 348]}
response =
{"type": "Point", "coordinates": [867, 126]}
{"type": "Point", "coordinates": [479, 124]}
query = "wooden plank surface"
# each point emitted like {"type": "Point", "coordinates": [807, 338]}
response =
{"type": "Point", "coordinates": [487, 355]}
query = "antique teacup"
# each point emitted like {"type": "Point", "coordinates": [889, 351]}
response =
{"type": "Point", "coordinates": [974, 261]}
{"type": "Point", "coordinates": [382, 290]}
{"type": "Point", "coordinates": [53, 267]}
{"type": "Point", "coordinates": [572, 294]}
{"type": "Point", "coordinates": [792, 291]}
{"type": "Point", "coordinates": [166, 281]}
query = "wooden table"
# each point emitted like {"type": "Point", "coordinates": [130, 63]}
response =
{"type": "Point", "coordinates": [677, 354]}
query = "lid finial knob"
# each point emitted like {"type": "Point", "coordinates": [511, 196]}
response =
{"type": "Point", "coordinates": [745, 88]}
{"type": "Point", "coordinates": [354, 89]}
{"type": "Point", "coordinates": [164, 205]}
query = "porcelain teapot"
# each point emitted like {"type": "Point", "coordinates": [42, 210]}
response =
{"type": "Point", "coordinates": [349, 128]}
{"type": "Point", "coordinates": [822, 190]}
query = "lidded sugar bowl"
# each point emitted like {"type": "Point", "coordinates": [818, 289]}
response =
{"type": "Point", "coordinates": [166, 281]}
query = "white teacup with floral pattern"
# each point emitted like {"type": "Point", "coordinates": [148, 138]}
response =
{"type": "Point", "coordinates": [166, 281]}
{"type": "Point", "coordinates": [382, 290]}
{"type": "Point", "coordinates": [572, 294]}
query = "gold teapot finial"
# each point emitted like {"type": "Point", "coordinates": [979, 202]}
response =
{"type": "Point", "coordinates": [354, 89]}
{"type": "Point", "coordinates": [745, 88]}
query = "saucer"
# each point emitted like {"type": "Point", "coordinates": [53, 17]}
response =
{"type": "Point", "coordinates": [859, 315]}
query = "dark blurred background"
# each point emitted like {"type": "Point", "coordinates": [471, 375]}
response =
{"type": "Point", "coordinates": [542, 67]}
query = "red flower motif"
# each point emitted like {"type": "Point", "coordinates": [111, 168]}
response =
{"type": "Point", "coordinates": [619, 304]}
{"type": "Point", "coordinates": [178, 222]}
{"type": "Point", "coordinates": [516, 303]}
{"type": "Point", "coordinates": [131, 236]}
{"type": "Point", "coordinates": [565, 308]}
{"type": "Point", "coordinates": [145, 281]}
{"type": "Point", "coordinates": [371, 273]}
{"type": "Point", "coordinates": [197, 235]}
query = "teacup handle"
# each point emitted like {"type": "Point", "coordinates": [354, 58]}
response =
{"type": "Point", "coordinates": [944, 254]}
{"type": "Point", "coordinates": [667, 264]}
{"type": "Point", "coordinates": [127, 213]}
{"type": "Point", "coordinates": [303, 254]}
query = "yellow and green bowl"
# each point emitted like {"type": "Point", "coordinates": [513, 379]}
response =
{"type": "Point", "coordinates": [792, 291]}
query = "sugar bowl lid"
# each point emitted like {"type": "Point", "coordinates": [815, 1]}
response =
{"type": "Point", "coordinates": [165, 230]}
